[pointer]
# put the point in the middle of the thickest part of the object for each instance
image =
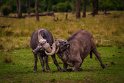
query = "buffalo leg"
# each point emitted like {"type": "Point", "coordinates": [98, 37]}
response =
{"type": "Point", "coordinates": [46, 61]}
{"type": "Point", "coordinates": [77, 63]}
{"type": "Point", "coordinates": [35, 62]}
{"type": "Point", "coordinates": [98, 57]}
{"type": "Point", "coordinates": [91, 54]}
{"type": "Point", "coordinates": [76, 66]}
{"type": "Point", "coordinates": [65, 65]}
{"type": "Point", "coordinates": [42, 62]}
{"type": "Point", "coordinates": [56, 63]}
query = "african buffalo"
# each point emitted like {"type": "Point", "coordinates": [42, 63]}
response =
{"type": "Point", "coordinates": [41, 43]}
{"type": "Point", "coordinates": [76, 48]}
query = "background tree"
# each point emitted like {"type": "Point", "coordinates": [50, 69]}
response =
{"type": "Point", "coordinates": [106, 5]}
{"type": "Point", "coordinates": [19, 13]}
{"type": "Point", "coordinates": [28, 7]}
{"type": "Point", "coordinates": [36, 10]}
{"type": "Point", "coordinates": [95, 7]}
{"type": "Point", "coordinates": [0, 3]}
{"type": "Point", "coordinates": [84, 8]}
{"type": "Point", "coordinates": [78, 8]}
{"type": "Point", "coordinates": [15, 6]}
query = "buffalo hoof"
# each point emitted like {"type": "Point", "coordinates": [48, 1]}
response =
{"type": "Point", "coordinates": [103, 66]}
{"type": "Point", "coordinates": [77, 69]}
{"type": "Point", "coordinates": [48, 70]}
{"type": "Point", "coordinates": [43, 70]}
{"type": "Point", "coordinates": [69, 69]}
{"type": "Point", "coordinates": [35, 71]}
{"type": "Point", "coordinates": [60, 69]}
{"type": "Point", "coordinates": [74, 70]}
{"type": "Point", "coordinates": [80, 69]}
{"type": "Point", "coordinates": [64, 70]}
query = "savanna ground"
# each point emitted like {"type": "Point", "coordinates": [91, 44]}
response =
{"type": "Point", "coordinates": [16, 58]}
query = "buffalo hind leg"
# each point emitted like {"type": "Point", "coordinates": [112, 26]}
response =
{"type": "Point", "coordinates": [56, 63]}
{"type": "Point", "coordinates": [98, 57]}
{"type": "Point", "coordinates": [91, 54]}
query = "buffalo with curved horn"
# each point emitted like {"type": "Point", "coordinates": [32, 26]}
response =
{"type": "Point", "coordinates": [76, 48]}
{"type": "Point", "coordinates": [41, 43]}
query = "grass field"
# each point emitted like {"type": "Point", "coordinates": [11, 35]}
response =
{"type": "Point", "coordinates": [21, 68]}
{"type": "Point", "coordinates": [16, 58]}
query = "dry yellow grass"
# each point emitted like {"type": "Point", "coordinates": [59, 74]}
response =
{"type": "Point", "coordinates": [106, 29]}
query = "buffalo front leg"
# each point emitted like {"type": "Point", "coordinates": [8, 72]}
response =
{"type": "Point", "coordinates": [77, 67]}
{"type": "Point", "coordinates": [77, 63]}
{"type": "Point", "coordinates": [99, 58]}
{"type": "Point", "coordinates": [56, 63]}
{"type": "Point", "coordinates": [42, 62]}
{"type": "Point", "coordinates": [46, 61]}
{"type": "Point", "coordinates": [35, 62]}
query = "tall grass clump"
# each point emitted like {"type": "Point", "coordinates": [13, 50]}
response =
{"type": "Point", "coordinates": [7, 58]}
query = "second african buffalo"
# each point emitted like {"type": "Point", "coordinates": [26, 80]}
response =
{"type": "Point", "coordinates": [76, 48]}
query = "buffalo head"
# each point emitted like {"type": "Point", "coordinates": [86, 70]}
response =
{"type": "Point", "coordinates": [62, 45]}
{"type": "Point", "coordinates": [44, 45]}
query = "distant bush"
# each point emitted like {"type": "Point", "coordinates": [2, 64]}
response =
{"type": "Point", "coordinates": [111, 4]}
{"type": "Point", "coordinates": [5, 10]}
{"type": "Point", "coordinates": [62, 7]}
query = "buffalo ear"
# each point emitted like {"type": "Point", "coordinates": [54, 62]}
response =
{"type": "Point", "coordinates": [57, 42]}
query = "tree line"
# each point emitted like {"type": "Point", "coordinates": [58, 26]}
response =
{"type": "Point", "coordinates": [39, 6]}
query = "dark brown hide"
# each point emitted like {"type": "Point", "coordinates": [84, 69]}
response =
{"type": "Point", "coordinates": [81, 44]}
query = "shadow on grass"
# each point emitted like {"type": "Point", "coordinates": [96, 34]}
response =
{"type": "Point", "coordinates": [82, 70]}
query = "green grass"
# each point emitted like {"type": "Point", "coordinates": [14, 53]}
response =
{"type": "Point", "coordinates": [20, 69]}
